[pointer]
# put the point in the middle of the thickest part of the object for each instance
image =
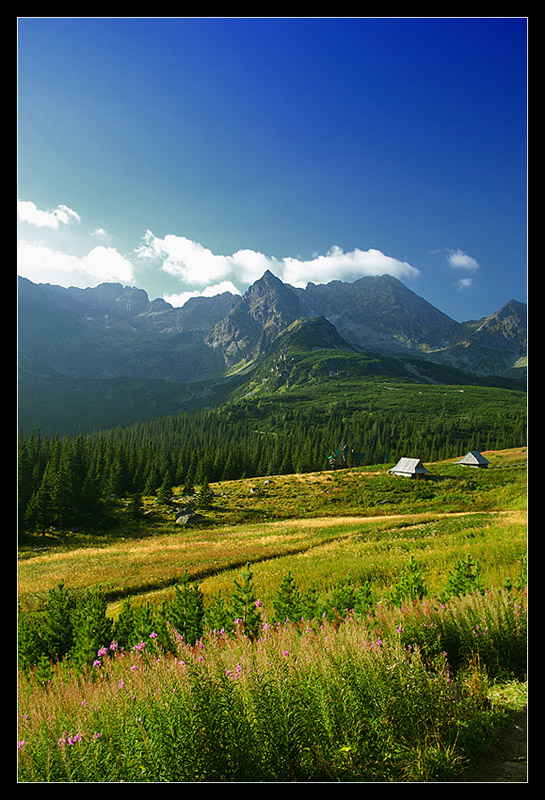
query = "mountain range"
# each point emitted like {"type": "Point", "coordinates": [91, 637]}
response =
{"type": "Point", "coordinates": [109, 348]}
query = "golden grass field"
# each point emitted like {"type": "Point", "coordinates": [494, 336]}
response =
{"type": "Point", "coordinates": [323, 527]}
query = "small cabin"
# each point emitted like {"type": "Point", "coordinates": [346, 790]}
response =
{"type": "Point", "coordinates": [473, 459]}
{"type": "Point", "coordinates": [409, 468]}
{"type": "Point", "coordinates": [339, 459]}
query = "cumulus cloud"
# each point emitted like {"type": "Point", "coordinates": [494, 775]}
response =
{"type": "Point", "coordinates": [197, 266]}
{"type": "Point", "coordinates": [43, 264]}
{"type": "Point", "coordinates": [181, 298]}
{"type": "Point", "coordinates": [338, 265]}
{"type": "Point", "coordinates": [464, 283]}
{"type": "Point", "coordinates": [28, 212]}
{"type": "Point", "coordinates": [460, 260]}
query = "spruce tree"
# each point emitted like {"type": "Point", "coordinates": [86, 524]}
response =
{"type": "Point", "coordinates": [411, 586]}
{"type": "Point", "coordinates": [92, 628]}
{"type": "Point", "coordinates": [205, 495]}
{"type": "Point", "coordinates": [58, 622]}
{"type": "Point", "coordinates": [124, 626]}
{"type": "Point", "coordinates": [218, 614]}
{"type": "Point", "coordinates": [245, 604]}
{"type": "Point", "coordinates": [287, 602]}
{"type": "Point", "coordinates": [186, 612]}
{"type": "Point", "coordinates": [164, 492]}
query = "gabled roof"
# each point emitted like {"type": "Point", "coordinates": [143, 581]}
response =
{"type": "Point", "coordinates": [473, 457]}
{"type": "Point", "coordinates": [411, 466]}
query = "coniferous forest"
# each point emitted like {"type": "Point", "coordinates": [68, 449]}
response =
{"type": "Point", "coordinates": [66, 481]}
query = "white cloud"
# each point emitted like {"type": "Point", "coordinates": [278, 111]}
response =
{"type": "Point", "coordinates": [338, 265]}
{"type": "Point", "coordinates": [196, 265]}
{"type": "Point", "coordinates": [460, 260]}
{"type": "Point", "coordinates": [464, 283]}
{"type": "Point", "coordinates": [43, 264]}
{"type": "Point", "coordinates": [28, 212]}
{"type": "Point", "coordinates": [180, 299]}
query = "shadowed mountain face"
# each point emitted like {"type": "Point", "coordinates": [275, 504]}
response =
{"type": "Point", "coordinates": [113, 332]}
{"type": "Point", "coordinates": [377, 314]}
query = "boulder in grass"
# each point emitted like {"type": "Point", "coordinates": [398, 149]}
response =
{"type": "Point", "coordinates": [187, 520]}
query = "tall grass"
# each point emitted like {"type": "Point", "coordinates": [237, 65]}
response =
{"type": "Point", "coordinates": [397, 696]}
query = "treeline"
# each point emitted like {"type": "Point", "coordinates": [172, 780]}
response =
{"type": "Point", "coordinates": [68, 481]}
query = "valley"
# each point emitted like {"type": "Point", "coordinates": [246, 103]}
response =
{"type": "Point", "coordinates": [191, 535]}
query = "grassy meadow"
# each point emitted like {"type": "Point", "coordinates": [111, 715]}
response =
{"type": "Point", "coordinates": [400, 689]}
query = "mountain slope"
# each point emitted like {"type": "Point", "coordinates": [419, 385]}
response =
{"type": "Point", "coordinates": [266, 309]}
{"type": "Point", "coordinates": [380, 313]}
{"type": "Point", "coordinates": [113, 331]}
{"type": "Point", "coordinates": [377, 314]}
{"type": "Point", "coordinates": [111, 354]}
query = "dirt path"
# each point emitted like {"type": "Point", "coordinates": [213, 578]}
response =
{"type": "Point", "coordinates": [506, 762]}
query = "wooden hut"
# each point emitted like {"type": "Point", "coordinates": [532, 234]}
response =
{"type": "Point", "coordinates": [339, 459]}
{"type": "Point", "coordinates": [473, 459]}
{"type": "Point", "coordinates": [409, 468]}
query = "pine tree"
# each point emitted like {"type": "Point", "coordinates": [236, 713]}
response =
{"type": "Point", "coordinates": [218, 614]}
{"type": "Point", "coordinates": [464, 579]}
{"type": "Point", "coordinates": [30, 641]}
{"type": "Point", "coordinates": [287, 602]}
{"type": "Point", "coordinates": [135, 506]}
{"type": "Point", "coordinates": [189, 485]}
{"type": "Point", "coordinates": [144, 623]}
{"type": "Point", "coordinates": [411, 587]}
{"type": "Point", "coordinates": [39, 512]}
{"type": "Point", "coordinates": [90, 504]}
{"type": "Point", "coordinates": [92, 628]}
{"type": "Point", "coordinates": [205, 495]}
{"type": "Point", "coordinates": [186, 612]}
{"type": "Point", "coordinates": [245, 604]}
{"type": "Point", "coordinates": [124, 626]}
{"type": "Point", "coordinates": [164, 492]}
{"type": "Point", "coordinates": [58, 622]}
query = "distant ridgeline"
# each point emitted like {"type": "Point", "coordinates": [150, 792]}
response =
{"type": "Point", "coordinates": [95, 358]}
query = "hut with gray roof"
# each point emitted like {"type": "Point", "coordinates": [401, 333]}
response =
{"type": "Point", "coordinates": [409, 468]}
{"type": "Point", "coordinates": [473, 459]}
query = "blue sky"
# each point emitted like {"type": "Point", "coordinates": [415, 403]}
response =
{"type": "Point", "coordinates": [187, 155]}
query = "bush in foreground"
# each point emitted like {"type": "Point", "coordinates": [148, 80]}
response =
{"type": "Point", "coordinates": [373, 698]}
